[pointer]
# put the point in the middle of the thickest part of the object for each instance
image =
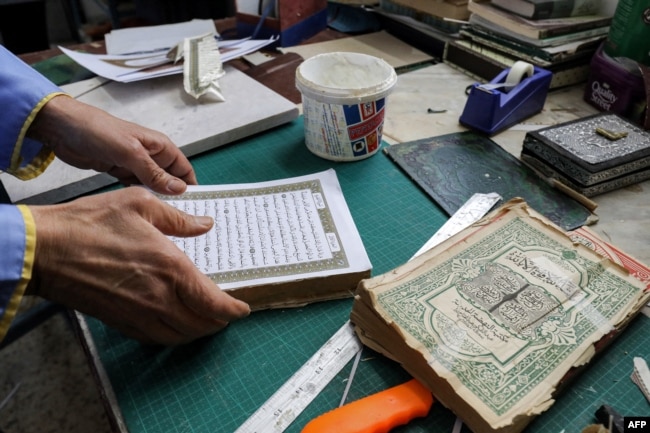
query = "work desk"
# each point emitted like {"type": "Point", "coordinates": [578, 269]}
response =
{"type": "Point", "coordinates": [214, 384]}
{"type": "Point", "coordinates": [624, 214]}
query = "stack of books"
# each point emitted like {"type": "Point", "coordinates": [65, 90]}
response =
{"type": "Point", "coordinates": [558, 35]}
{"type": "Point", "coordinates": [447, 16]}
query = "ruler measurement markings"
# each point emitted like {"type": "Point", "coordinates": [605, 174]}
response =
{"type": "Point", "coordinates": [284, 406]}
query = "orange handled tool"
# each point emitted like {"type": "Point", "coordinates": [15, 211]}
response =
{"type": "Point", "coordinates": [378, 413]}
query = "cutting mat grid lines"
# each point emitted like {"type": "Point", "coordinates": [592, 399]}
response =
{"type": "Point", "coordinates": [605, 381]}
{"type": "Point", "coordinates": [216, 383]}
{"type": "Point", "coordinates": [386, 206]}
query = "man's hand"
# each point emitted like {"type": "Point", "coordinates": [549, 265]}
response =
{"type": "Point", "coordinates": [89, 138]}
{"type": "Point", "coordinates": [108, 256]}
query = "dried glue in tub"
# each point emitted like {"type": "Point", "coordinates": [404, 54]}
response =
{"type": "Point", "coordinates": [344, 100]}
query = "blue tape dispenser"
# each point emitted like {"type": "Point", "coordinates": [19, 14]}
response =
{"type": "Point", "coordinates": [515, 94]}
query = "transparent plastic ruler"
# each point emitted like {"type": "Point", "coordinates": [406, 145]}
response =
{"type": "Point", "coordinates": [284, 406]}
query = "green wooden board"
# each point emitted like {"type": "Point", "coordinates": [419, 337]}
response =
{"type": "Point", "coordinates": [453, 167]}
{"type": "Point", "coordinates": [214, 384]}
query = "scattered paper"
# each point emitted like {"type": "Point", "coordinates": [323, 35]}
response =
{"type": "Point", "coordinates": [641, 376]}
{"type": "Point", "coordinates": [134, 67]}
{"type": "Point", "coordinates": [125, 68]}
{"type": "Point", "coordinates": [133, 40]}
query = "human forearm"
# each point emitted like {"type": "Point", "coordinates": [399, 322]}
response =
{"type": "Point", "coordinates": [17, 238]}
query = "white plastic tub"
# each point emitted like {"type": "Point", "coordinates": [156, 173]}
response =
{"type": "Point", "coordinates": [344, 100]}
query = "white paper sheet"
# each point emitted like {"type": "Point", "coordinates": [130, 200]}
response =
{"type": "Point", "coordinates": [135, 67]}
{"type": "Point", "coordinates": [273, 231]}
{"type": "Point", "coordinates": [153, 38]}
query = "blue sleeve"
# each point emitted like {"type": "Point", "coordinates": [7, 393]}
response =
{"type": "Point", "coordinates": [18, 240]}
{"type": "Point", "coordinates": [23, 92]}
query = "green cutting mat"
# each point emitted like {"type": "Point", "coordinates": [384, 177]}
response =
{"type": "Point", "coordinates": [214, 384]}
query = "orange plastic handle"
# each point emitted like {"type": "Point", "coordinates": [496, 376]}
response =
{"type": "Point", "coordinates": [377, 413]}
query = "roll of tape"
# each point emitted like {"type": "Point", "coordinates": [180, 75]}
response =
{"type": "Point", "coordinates": [518, 72]}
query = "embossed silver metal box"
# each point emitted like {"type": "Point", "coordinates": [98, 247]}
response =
{"type": "Point", "coordinates": [592, 155]}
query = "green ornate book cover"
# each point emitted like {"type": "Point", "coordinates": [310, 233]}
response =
{"type": "Point", "coordinates": [452, 167]}
{"type": "Point", "coordinates": [495, 319]}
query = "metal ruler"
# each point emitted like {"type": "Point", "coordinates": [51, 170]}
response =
{"type": "Point", "coordinates": [284, 406]}
{"type": "Point", "coordinates": [473, 210]}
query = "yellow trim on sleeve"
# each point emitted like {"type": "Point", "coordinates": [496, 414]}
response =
{"type": "Point", "coordinates": [26, 275]}
{"type": "Point", "coordinates": [44, 157]}
{"type": "Point", "coordinates": [35, 168]}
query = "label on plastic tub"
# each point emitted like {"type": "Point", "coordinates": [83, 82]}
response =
{"type": "Point", "coordinates": [344, 98]}
{"type": "Point", "coordinates": [343, 132]}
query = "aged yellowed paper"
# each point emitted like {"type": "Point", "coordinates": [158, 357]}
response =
{"type": "Point", "coordinates": [494, 318]}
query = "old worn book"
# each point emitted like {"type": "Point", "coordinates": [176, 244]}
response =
{"type": "Point", "coordinates": [544, 57]}
{"type": "Point", "coordinates": [454, 9]}
{"type": "Point", "coordinates": [479, 23]}
{"type": "Point", "coordinates": [544, 9]}
{"type": "Point", "coordinates": [445, 16]}
{"type": "Point", "coordinates": [592, 155]}
{"type": "Point", "coordinates": [537, 29]}
{"type": "Point", "coordinates": [279, 243]}
{"type": "Point", "coordinates": [497, 319]}
{"type": "Point", "coordinates": [483, 63]}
